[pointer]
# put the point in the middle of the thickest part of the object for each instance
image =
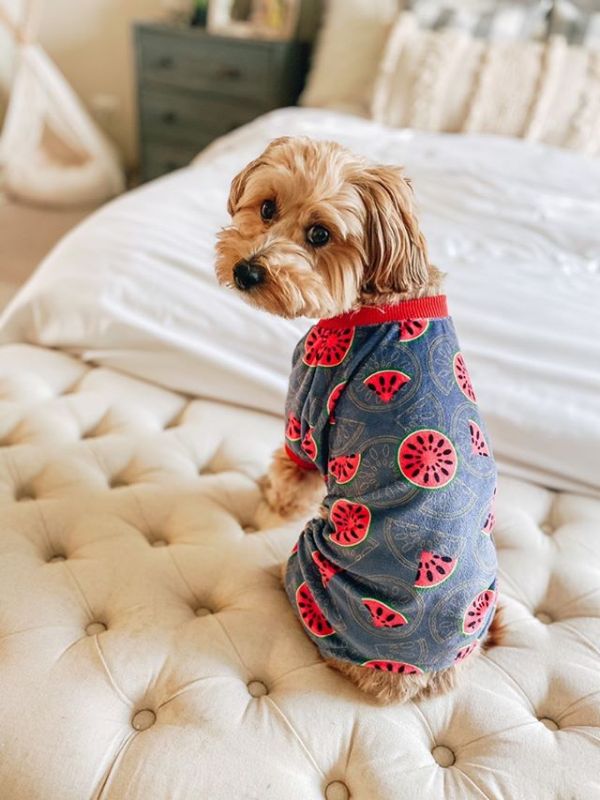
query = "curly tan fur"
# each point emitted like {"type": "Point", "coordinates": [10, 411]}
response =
{"type": "Point", "coordinates": [376, 255]}
{"type": "Point", "coordinates": [387, 688]}
{"type": "Point", "coordinates": [290, 491]}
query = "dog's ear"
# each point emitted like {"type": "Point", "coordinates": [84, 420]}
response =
{"type": "Point", "coordinates": [395, 250]}
{"type": "Point", "coordinates": [238, 184]}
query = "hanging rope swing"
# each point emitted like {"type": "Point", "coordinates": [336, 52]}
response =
{"type": "Point", "coordinates": [51, 151]}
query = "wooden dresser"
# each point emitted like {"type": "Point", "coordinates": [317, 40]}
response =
{"type": "Point", "coordinates": [194, 87]}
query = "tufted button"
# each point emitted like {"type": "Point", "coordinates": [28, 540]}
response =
{"type": "Point", "coordinates": [202, 612]}
{"type": "Point", "coordinates": [24, 493]}
{"type": "Point", "coordinates": [336, 790]}
{"type": "Point", "coordinates": [159, 543]}
{"type": "Point", "coordinates": [549, 723]}
{"type": "Point", "coordinates": [73, 388]}
{"type": "Point", "coordinates": [144, 719]}
{"type": "Point", "coordinates": [546, 527]}
{"type": "Point", "coordinates": [117, 482]}
{"type": "Point", "coordinates": [544, 617]}
{"type": "Point", "coordinates": [443, 755]}
{"type": "Point", "coordinates": [95, 627]}
{"type": "Point", "coordinates": [55, 558]}
{"type": "Point", "coordinates": [257, 689]}
{"type": "Point", "coordinates": [249, 529]}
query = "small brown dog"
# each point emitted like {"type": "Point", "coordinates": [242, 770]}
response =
{"type": "Point", "coordinates": [318, 232]}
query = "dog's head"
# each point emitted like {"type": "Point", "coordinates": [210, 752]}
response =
{"type": "Point", "coordinates": [317, 231]}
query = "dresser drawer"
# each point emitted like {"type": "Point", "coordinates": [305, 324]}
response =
{"type": "Point", "coordinates": [237, 69]}
{"type": "Point", "coordinates": [158, 159]}
{"type": "Point", "coordinates": [170, 116]}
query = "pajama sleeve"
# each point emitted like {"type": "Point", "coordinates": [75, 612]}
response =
{"type": "Point", "coordinates": [301, 462]}
{"type": "Point", "coordinates": [300, 444]}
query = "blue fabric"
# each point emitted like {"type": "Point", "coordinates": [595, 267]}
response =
{"type": "Point", "coordinates": [409, 508]}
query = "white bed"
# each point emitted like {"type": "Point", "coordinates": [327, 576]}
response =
{"type": "Point", "coordinates": [147, 651]}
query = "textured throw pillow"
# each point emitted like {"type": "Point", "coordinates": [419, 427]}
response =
{"type": "Point", "coordinates": [494, 20]}
{"type": "Point", "coordinates": [347, 54]}
{"type": "Point", "coordinates": [578, 22]}
{"type": "Point", "coordinates": [450, 81]}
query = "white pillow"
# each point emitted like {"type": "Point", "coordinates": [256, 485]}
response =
{"type": "Point", "coordinates": [347, 53]}
{"type": "Point", "coordinates": [353, 35]}
{"type": "Point", "coordinates": [577, 20]}
{"type": "Point", "coordinates": [494, 20]}
{"type": "Point", "coordinates": [513, 223]}
{"type": "Point", "coordinates": [450, 81]}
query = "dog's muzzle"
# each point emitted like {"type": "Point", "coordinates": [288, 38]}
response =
{"type": "Point", "coordinates": [248, 274]}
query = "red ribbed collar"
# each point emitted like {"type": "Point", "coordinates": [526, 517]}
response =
{"type": "Point", "coordinates": [421, 308]}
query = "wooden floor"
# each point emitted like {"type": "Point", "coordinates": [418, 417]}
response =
{"type": "Point", "coordinates": [27, 234]}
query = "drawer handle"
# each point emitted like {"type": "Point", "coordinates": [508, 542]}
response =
{"type": "Point", "coordinates": [166, 62]}
{"type": "Point", "coordinates": [231, 73]}
{"type": "Point", "coordinates": [169, 117]}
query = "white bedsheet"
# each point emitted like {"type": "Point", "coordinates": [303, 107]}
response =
{"type": "Point", "coordinates": [515, 225]}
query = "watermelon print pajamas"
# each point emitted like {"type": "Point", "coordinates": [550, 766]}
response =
{"type": "Point", "coordinates": [401, 575]}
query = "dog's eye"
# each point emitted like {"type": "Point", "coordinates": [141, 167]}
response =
{"type": "Point", "coordinates": [317, 235]}
{"type": "Point", "coordinates": [268, 210]}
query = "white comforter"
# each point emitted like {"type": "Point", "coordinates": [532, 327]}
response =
{"type": "Point", "coordinates": [515, 225]}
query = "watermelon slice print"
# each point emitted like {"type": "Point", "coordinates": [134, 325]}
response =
{"type": "Point", "coordinates": [427, 458]}
{"type": "Point", "coordinates": [351, 522]}
{"type": "Point", "coordinates": [326, 569]}
{"type": "Point", "coordinates": [335, 395]}
{"type": "Point", "coordinates": [310, 613]}
{"type": "Point", "coordinates": [478, 444]}
{"type": "Point", "coordinates": [327, 347]}
{"type": "Point", "coordinates": [309, 446]}
{"type": "Point", "coordinates": [478, 610]}
{"type": "Point", "coordinates": [396, 667]}
{"type": "Point", "coordinates": [386, 383]}
{"type": "Point", "coordinates": [382, 615]}
{"type": "Point", "coordinates": [433, 569]}
{"type": "Point", "coordinates": [466, 651]}
{"type": "Point", "coordinates": [490, 520]}
{"type": "Point", "coordinates": [344, 468]}
{"type": "Point", "coordinates": [461, 376]}
{"type": "Point", "coordinates": [293, 429]}
{"type": "Point", "coordinates": [411, 329]}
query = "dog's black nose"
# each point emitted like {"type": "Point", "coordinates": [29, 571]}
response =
{"type": "Point", "coordinates": [247, 274]}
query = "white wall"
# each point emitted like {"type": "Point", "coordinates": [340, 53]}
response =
{"type": "Point", "coordinates": [90, 41]}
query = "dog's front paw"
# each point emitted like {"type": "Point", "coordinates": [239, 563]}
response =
{"type": "Point", "coordinates": [291, 492]}
{"type": "Point", "coordinates": [295, 497]}
{"type": "Point", "coordinates": [265, 518]}
{"type": "Point", "coordinates": [283, 500]}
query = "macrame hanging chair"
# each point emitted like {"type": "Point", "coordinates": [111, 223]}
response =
{"type": "Point", "coordinates": [51, 152]}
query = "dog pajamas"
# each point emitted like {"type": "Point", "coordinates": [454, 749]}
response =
{"type": "Point", "coordinates": [401, 574]}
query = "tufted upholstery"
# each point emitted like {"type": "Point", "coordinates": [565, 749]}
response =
{"type": "Point", "coordinates": [147, 651]}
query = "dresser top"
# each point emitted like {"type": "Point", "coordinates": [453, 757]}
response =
{"type": "Point", "coordinates": [200, 33]}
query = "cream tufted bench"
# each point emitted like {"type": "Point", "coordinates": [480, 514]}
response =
{"type": "Point", "coordinates": [147, 650]}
